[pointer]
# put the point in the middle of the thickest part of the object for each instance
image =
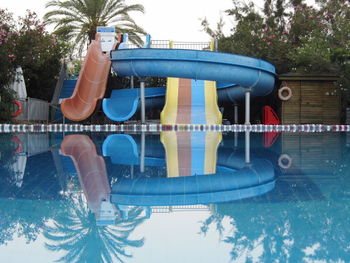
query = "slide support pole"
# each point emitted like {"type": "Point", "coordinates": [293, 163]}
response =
{"type": "Point", "coordinates": [132, 82]}
{"type": "Point", "coordinates": [247, 106]}
{"type": "Point", "coordinates": [235, 112]}
{"type": "Point", "coordinates": [247, 147]}
{"type": "Point", "coordinates": [142, 157]}
{"type": "Point", "coordinates": [142, 97]}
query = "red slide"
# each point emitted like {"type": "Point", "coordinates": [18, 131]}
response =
{"type": "Point", "coordinates": [270, 118]}
{"type": "Point", "coordinates": [91, 84]}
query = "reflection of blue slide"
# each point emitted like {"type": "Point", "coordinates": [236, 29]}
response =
{"type": "Point", "coordinates": [130, 155]}
{"type": "Point", "coordinates": [245, 72]}
{"type": "Point", "coordinates": [232, 181]}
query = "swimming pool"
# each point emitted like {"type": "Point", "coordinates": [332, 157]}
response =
{"type": "Point", "coordinates": [174, 196]}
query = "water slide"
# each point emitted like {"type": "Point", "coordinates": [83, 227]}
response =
{"type": "Point", "coordinates": [222, 68]}
{"type": "Point", "coordinates": [124, 103]}
{"type": "Point", "coordinates": [91, 85]}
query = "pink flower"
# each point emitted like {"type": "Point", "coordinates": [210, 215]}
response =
{"type": "Point", "coordinates": [11, 56]}
{"type": "Point", "coordinates": [268, 43]}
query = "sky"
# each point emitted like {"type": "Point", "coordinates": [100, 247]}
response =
{"type": "Point", "coordinates": [177, 20]}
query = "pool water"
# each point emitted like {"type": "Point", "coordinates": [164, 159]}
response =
{"type": "Point", "coordinates": [175, 197]}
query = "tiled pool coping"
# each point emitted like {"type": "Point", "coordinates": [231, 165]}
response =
{"type": "Point", "coordinates": [8, 128]}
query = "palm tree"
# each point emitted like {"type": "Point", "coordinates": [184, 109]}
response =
{"type": "Point", "coordinates": [77, 19]}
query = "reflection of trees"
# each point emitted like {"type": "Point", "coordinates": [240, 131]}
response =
{"type": "Point", "coordinates": [24, 218]}
{"type": "Point", "coordinates": [7, 157]}
{"type": "Point", "coordinates": [76, 232]}
{"type": "Point", "coordinates": [290, 232]}
{"type": "Point", "coordinates": [13, 216]}
{"type": "Point", "coordinates": [19, 215]}
{"type": "Point", "coordinates": [215, 219]}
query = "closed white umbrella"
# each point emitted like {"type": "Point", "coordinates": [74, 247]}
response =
{"type": "Point", "coordinates": [18, 85]}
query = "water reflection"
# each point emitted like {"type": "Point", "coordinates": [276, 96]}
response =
{"type": "Point", "coordinates": [197, 171]}
{"type": "Point", "coordinates": [89, 194]}
{"type": "Point", "coordinates": [92, 175]}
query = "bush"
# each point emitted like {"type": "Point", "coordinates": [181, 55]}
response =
{"type": "Point", "coordinates": [292, 35]}
{"type": "Point", "coordinates": [27, 44]}
{"type": "Point", "coordinates": [40, 55]}
{"type": "Point", "coordinates": [7, 64]}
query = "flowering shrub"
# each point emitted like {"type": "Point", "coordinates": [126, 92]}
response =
{"type": "Point", "coordinates": [39, 54]}
{"type": "Point", "coordinates": [7, 64]}
{"type": "Point", "coordinates": [25, 43]}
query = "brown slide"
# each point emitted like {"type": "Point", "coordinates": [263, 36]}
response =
{"type": "Point", "coordinates": [91, 84]}
{"type": "Point", "coordinates": [90, 167]}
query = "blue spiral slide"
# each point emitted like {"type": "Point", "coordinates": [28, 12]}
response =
{"type": "Point", "coordinates": [233, 74]}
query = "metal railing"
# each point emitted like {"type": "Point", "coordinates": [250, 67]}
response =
{"type": "Point", "coordinates": [170, 209]}
{"type": "Point", "coordinates": [176, 45]}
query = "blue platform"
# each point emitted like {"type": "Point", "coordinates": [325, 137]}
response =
{"type": "Point", "coordinates": [66, 92]}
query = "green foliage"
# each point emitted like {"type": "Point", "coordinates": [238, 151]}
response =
{"type": "Point", "coordinates": [291, 34]}
{"type": "Point", "coordinates": [25, 43]}
{"type": "Point", "coordinates": [77, 20]}
{"type": "Point", "coordinates": [40, 55]}
{"type": "Point", "coordinates": [6, 104]}
{"type": "Point", "coordinates": [75, 67]}
{"type": "Point", "coordinates": [7, 65]}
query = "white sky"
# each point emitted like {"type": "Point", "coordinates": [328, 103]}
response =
{"type": "Point", "coordinates": [177, 20]}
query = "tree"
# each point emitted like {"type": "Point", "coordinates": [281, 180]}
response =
{"type": "Point", "coordinates": [39, 54]}
{"type": "Point", "coordinates": [7, 67]}
{"type": "Point", "coordinates": [26, 43]}
{"type": "Point", "coordinates": [77, 19]}
{"type": "Point", "coordinates": [292, 35]}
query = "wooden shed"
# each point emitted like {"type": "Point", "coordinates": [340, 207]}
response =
{"type": "Point", "coordinates": [315, 99]}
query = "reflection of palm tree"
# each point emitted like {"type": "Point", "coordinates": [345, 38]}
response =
{"type": "Point", "coordinates": [84, 241]}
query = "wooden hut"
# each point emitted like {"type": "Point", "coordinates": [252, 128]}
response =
{"type": "Point", "coordinates": [310, 99]}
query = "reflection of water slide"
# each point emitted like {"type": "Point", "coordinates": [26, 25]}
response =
{"type": "Point", "coordinates": [91, 84]}
{"type": "Point", "coordinates": [206, 177]}
{"type": "Point", "coordinates": [231, 179]}
{"type": "Point", "coordinates": [184, 99]}
{"type": "Point", "coordinates": [92, 174]}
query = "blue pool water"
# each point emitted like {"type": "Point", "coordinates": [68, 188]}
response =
{"type": "Point", "coordinates": [174, 197]}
